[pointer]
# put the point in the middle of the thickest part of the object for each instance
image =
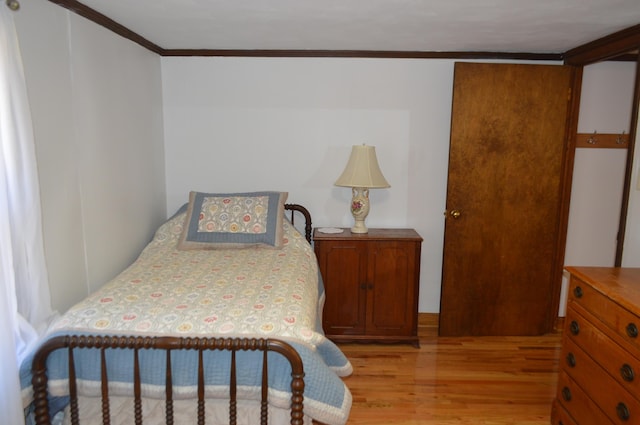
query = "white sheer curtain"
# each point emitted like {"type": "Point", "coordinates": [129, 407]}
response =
{"type": "Point", "coordinates": [25, 306]}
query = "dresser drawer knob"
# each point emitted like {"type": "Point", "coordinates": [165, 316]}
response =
{"type": "Point", "coordinates": [571, 360]}
{"type": "Point", "coordinates": [566, 394]}
{"type": "Point", "coordinates": [632, 330]}
{"type": "Point", "coordinates": [574, 328]}
{"type": "Point", "coordinates": [623, 411]}
{"type": "Point", "coordinates": [627, 373]}
{"type": "Point", "coordinates": [577, 292]}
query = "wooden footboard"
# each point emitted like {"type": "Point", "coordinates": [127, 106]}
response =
{"type": "Point", "coordinates": [168, 344]}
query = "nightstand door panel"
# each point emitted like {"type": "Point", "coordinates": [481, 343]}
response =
{"type": "Point", "coordinates": [391, 283]}
{"type": "Point", "coordinates": [344, 266]}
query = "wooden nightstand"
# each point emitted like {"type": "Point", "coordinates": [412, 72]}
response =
{"type": "Point", "coordinates": [371, 282]}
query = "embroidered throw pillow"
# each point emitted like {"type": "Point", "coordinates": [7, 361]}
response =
{"type": "Point", "coordinates": [233, 220]}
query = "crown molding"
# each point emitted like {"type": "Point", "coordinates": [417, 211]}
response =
{"type": "Point", "coordinates": [383, 54]}
{"type": "Point", "coordinates": [108, 23]}
{"type": "Point", "coordinates": [616, 46]}
{"type": "Point", "coordinates": [610, 47]}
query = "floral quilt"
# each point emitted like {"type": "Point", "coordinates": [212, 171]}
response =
{"type": "Point", "coordinates": [249, 292]}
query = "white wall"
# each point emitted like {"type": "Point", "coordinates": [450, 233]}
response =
{"type": "Point", "coordinates": [598, 177]}
{"type": "Point", "coordinates": [237, 124]}
{"type": "Point", "coordinates": [230, 124]}
{"type": "Point", "coordinates": [241, 124]}
{"type": "Point", "coordinates": [96, 102]}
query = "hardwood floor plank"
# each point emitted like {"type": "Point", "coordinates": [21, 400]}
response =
{"type": "Point", "coordinates": [480, 381]}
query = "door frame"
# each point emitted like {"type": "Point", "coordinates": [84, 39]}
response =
{"type": "Point", "coordinates": [616, 45]}
{"type": "Point", "coordinates": [568, 161]}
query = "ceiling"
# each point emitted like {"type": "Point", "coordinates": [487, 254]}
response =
{"type": "Point", "coordinates": [531, 26]}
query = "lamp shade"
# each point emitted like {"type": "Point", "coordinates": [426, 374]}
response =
{"type": "Point", "coordinates": [362, 170]}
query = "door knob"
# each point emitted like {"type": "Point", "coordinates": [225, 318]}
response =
{"type": "Point", "coordinates": [455, 213]}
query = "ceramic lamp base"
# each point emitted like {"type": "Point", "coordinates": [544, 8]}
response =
{"type": "Point", "coordinates": [359, 209]}
{"type": "Point", "coordinates": [359, 227]}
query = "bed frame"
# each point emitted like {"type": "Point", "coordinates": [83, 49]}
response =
{"type": "Point", "coordinates": [293, 208]}
{"type": "Point", "coordinates": [169, 344]}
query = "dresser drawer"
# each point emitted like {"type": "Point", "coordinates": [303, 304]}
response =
{"type": "Point", "coordinates": [559, 416]}
{"type": "Point", "coordinates": [578, 404]}
{"type": "Point", "coordinates": [621, 321]}
{"type": "Point", "coordinates": [619, 363]}
{"type": "Point", "coordinates": [613, 399]}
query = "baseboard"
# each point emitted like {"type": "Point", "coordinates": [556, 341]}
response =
{"type": "Point", "coordinates": [429, 320]}
{"type": "Point", "coordinates": [559, 325]}
{"type": "Point", "coordinates": [428, 324]}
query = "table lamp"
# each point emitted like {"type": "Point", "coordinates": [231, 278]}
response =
{"type": "Point", "coordinates": [361, 174]}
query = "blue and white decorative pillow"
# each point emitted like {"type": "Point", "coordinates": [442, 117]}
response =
{"type": "Point", "coordinates": [234, 220]}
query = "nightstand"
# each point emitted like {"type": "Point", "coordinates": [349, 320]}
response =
{"type": "Point", "coordinates": [371, 283]}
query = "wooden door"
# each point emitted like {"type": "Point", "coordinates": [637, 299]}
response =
{"type": "Point", "coordinates": [503, 228]}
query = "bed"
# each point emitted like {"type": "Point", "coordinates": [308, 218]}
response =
{"type": "Point", "coordinates": [245, 289]}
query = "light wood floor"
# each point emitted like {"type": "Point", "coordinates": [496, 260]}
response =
{"type": "Point", "coordinates": [488, 380]}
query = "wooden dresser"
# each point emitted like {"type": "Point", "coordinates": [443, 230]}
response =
{"type": "Point", "coordinates": [371, 283]}
{"type": "Point", "coordinates": [599, 376]}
